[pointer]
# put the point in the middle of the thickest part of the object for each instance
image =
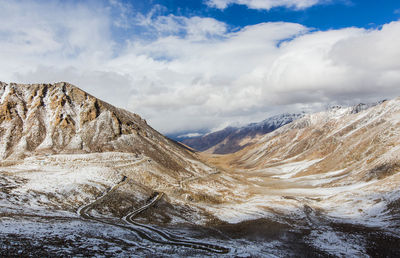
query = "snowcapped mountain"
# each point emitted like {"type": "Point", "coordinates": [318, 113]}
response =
{"type": "Point", "coordinates": [270, 124]}
{"type": "Point", "coordinates": [232, 139]}
{"type": "Point", "coordinates": [61, 118]}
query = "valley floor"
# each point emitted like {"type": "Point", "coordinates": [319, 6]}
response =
{"type": "Point", "coordinates": [272, 212]}
{"type": "Point", "coordinates": [27, 236]}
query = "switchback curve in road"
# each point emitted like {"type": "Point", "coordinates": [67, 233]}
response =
{"type": "Point", "coordinates": [169, 240]}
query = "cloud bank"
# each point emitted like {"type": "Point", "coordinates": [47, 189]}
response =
{"type": "Point", "coordinates": [186, 74]}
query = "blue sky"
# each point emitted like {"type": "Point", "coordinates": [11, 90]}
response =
{"type": "Point", "coordinates": [330, 15]}
{"type": "Point", "coordinates": [324, 15]}
{"type": "Point", "coordinates": [190, 66]}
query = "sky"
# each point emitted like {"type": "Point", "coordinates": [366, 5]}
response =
{"type": "Point", "coordinates": [200, 65]}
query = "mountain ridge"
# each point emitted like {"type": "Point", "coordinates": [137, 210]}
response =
{"type": "Point", "coordinates": [232, 139]}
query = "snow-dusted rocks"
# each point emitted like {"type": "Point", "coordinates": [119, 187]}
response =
{"type": "Point", "coordinates": [60, 117]}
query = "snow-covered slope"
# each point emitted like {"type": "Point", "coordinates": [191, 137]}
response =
{"type": "Point", "coordinates": [273, 122]}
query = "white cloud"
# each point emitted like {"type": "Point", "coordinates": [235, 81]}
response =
{"type": "Point", "coordinates": [190, 135]}
{"type": "Point", "coordinates": [194, 28]}
{"type": "Point", "coordinates": [265, 4]}
{"type": "Point", "coordinates": [194, 73]}
{"type": "Point", "coordinates": [51, 33]}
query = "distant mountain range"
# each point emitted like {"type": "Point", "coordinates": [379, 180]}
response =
{"type": "Point", "coordinates": [232, 139]}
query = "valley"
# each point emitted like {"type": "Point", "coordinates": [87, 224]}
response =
{"type": "Point", "coordinates": [102, 182]}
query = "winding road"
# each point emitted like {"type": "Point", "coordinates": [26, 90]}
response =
{"type": "Point", "coordinates": [83, 211]}
{"type": "Point", "coordinates": [143, 230]}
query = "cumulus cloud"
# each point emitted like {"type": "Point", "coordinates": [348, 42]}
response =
{"type": "Point", "coordinates": [194, 28]}
{"type": "Point", "coordinates": [51, 33]}
{"type": "Point", "coordinates": [186, 74]}
{"type": "Point", "coordinates": [265, 4]}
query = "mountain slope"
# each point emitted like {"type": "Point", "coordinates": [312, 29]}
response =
{"type": "Point", "coordinates": [65, 127]}
{"type": "Point", "coordinates": [343, 163]}
{"type": "Point", "coordinates": [344, 138]}
{"type": "Point", "coordinates": [60, 118]}
{"type": "Point", "coordinates": [232, 139]}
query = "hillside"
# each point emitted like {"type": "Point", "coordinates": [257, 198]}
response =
{"type": "Point", "coordinates": [355, 139]}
